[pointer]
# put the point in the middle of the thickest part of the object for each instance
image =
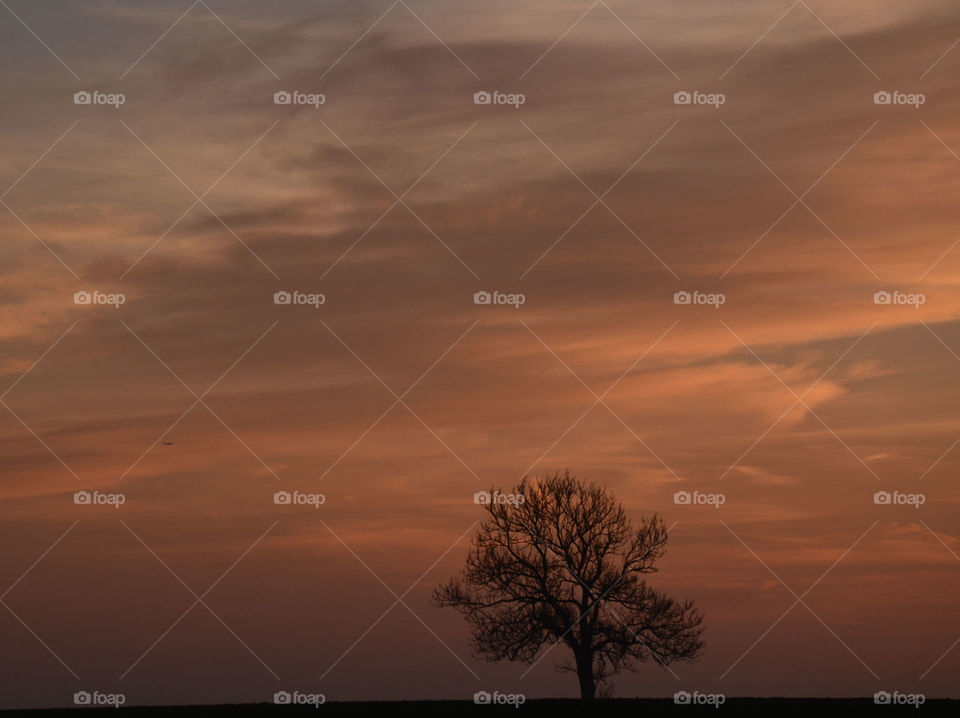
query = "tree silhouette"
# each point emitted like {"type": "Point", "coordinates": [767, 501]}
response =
{"type": "Point", "coordinates": [565, 564]}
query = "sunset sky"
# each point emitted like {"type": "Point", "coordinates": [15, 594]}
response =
{"type": "Point", "coordinates": [798, 398]}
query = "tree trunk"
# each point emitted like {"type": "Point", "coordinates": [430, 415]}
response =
{"type": "Point", "coordinates": [585, 674]}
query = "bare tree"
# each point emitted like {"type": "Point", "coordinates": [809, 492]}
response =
{"type": "Point", "coordinates": [559, 561]}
